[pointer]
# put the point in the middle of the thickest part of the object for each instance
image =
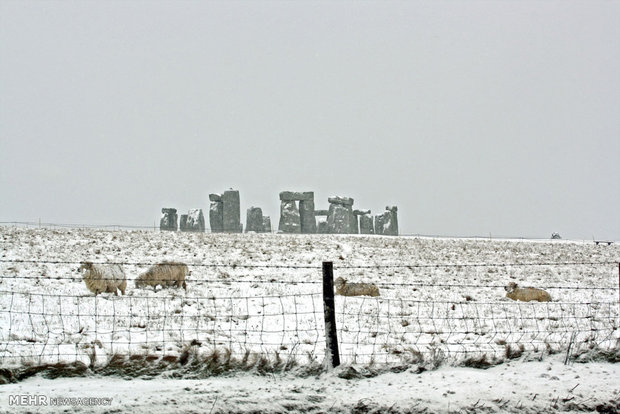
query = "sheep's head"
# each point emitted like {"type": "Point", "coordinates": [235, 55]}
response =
{"type": "Point", "coordinates": [339, 283]}
{"type": "Point", "coordinates": [510, 287]}
{"type": "Point", "coordinates": [85, 266]}
{"type": "Point", "coordinates": [140, 281]}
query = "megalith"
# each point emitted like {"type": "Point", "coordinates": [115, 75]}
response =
{"type": "Point", "coordinates": [321, 227]}
{"type": "Point", "coordinates": [387, 223]}
{"type": "Point", "coordinates": [169, 219]}
{"type": "Point", "coordinates": [340, 218]}
{"type": "Point", "coordinates": [254, 220]}
{"type": "Point", "coordinates": [366, 225]}
{"type": "Point", "coordinates": [306, 213]}
{"type": "Point", "coordinates": [183, 222]}
{"type": "Point", "coordinates": [216, 213]}
{"type": "Point", "coordinates": [232, 211]}
{"type": "Point", "coordinates": [266, 224]}
{"type": "Point", "coordinates": [355, 222]}
{"type": "Point", "coordinates": [391, 221]}
{"type": "Point", "coordinates": [290, 220]}
{"type": "Point", "coordinates": [195, 221]}
{"type": "Point", "coordinates": [379, 223]}
{"type": "Point", "coordinates": [307, 220]}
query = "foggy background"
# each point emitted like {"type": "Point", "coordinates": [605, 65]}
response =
{"type": "Point", "coordinates": [474, 118]}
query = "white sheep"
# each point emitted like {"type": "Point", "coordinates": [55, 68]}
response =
{"type": "Point", "coordinates": [104, 278]}
{"type": "Point", "coordinates": [526, 294]}
{"type": "Point", "coordinates": [165, 274]}
{"type": "Point", "coordinates": [344, 288]}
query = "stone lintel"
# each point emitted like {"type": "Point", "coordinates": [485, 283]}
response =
{"type": "Point", "coordinates": [296, 196]}
{"type": "Point", "coordinates": [345, 201]}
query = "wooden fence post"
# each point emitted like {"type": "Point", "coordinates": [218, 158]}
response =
{"type": "Point", "coordinates": [332, 356]}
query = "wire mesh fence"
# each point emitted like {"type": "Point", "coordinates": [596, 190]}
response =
{"type": "Point", "coordinates": [48, 316]}
{"type": "Point", "coordinates": [398, 330]}
{"type": "Point", "coordinates": [48, 328]}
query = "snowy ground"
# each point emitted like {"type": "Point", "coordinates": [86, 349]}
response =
{"type": "Point", "coordinates": [524, 387]}
{"type": "Point", "coordinates": [441, 299]}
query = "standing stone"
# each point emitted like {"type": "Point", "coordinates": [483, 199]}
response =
{"type": "Point", "coordinates": [266, 224]}
{"type": "Point", "coordinates": [183, 222]}
{"type": "Point", "coordinates": [195, 221]}
{"type": "Point", "coordinates": [340, 215]}
{"type": "Point", "coordinates": [356, 223]}
{"type": "Point", "coordinates": [306, 213]}
{"type": "Point", "coordinates": [366, 226]}
{"type": "Point", "coordinates": [254, 220]}
{"type": "Point", "coordinates": [232, 211]}
{"type": "Point", "coordinates": [290, 220]}
{"type": "Point", "coordinates": [355, 227]}
{"type": "Point", "coordinates": [168, 220]}
{"type": "Point", "coordinates": [379, 223]}
{"type": "Point", "coordinates": [391, 221]}
{"type": "Point", "coordinates": [339, 219]}
{"type": "Point", "coordinates": [216, 213]}
{"type": "Point", "coordinates": [322, 226]}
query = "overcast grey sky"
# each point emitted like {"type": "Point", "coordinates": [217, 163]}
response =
{"type": "Point", "coordinates": [472, 117]}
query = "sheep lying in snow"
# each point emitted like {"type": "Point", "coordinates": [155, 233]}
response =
{"type": "Point", "coordinates": [165, 274]}
{"type": "Point", "coordinates": [355, 289]}
{"type": "Point", "coordinates": [104, 278]}
{"type": "Point", "coordinates": [526, 294]}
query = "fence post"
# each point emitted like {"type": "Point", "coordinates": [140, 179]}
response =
{"type": "Point", "coordinates": [332, 356]}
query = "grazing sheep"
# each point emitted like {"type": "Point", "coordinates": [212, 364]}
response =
{"type": "Point", "coordinates": [526, 294]}
{"type": "Point", "coordinates": [104, 278]}
{"type": "Point", "coordinates": [355, 289]}
{"type": "Point", "coordinates": [165, 274]}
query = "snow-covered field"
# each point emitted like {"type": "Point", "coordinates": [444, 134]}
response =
{"type": "Point", "coordinates": [442, 302]}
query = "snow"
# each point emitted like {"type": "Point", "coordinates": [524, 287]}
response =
{"type": "Point", "coordinates": [441, 299]}
{"type": "Point", "coordinates": [531, 387]}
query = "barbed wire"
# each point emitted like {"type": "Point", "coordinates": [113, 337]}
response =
{"type": "Point", "coordinates": [411, 266]}
{"type": "Point", "coordinates": [192, 280]}
{"type": "Point", "coordinates": [168, 296]}
{"type": "Point", "coordinates": [228, 281]}
{"type": "Point", "coordinates": [125, 263]}
{"type": "Point", "coordinates": [458, 265]}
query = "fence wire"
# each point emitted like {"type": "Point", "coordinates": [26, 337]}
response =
{"type": "Point", "coordinates": [50, 328]}
{"type": "Point", "coordinates": [425, 310]}
{"type": "Point", "coordinates": [400, 330]}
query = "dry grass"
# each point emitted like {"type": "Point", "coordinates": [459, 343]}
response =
{"type": "Point", "coordinates": [191, 363]}
{"type": "Point", "coordinates": [597, 354]}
